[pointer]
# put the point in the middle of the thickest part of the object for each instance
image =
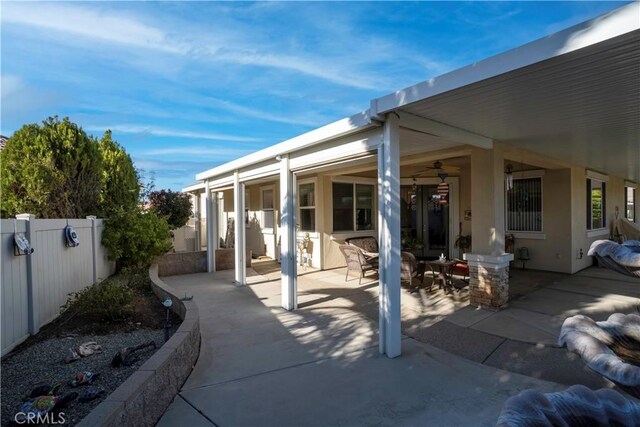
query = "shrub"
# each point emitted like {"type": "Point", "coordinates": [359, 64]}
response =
{"type": "Point", "coordinates": [135, 238]}
{"type": "Point", "coordinates": [106, 301]}
{"type": "Point", "coordinates": [50, 170]}
{"type": "Point", "coordinates": [174, 206]}
{"type": "Point", "coordinates": [137, 278]}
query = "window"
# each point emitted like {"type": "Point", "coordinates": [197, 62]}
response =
{"type": "Point", "coordinates": [596, 204]}
{"type": "Point", "coordinates": [267, 208]}
{"type": "Point", "coordinates": [342, 207]}
{"type": "Point", "coordinates": [353, 206]}
{"type": "Point", "coordinates": [364, 207]}
{"type": "Point", "coordinates": [524, 205]}
{"type": "Point", "coordinates": [630, 203]}
{"type": "Point", "coordinates": [307, 205]}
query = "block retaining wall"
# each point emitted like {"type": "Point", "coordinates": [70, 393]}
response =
{"type": "Point", "coordinates": [146, 394]}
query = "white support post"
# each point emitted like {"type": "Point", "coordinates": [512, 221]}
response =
{"type": "Point", "coordinates": [240, 243]}
{"type": "Point", "coordinates": [94, 246]}
{"type": "Point", "coordinates": [32, 298]}
{"type": "Point", "coordinates": [196, 216]}
{"type": "Point", "coordinates": [289, 280]}
{"type": "Point", "coordinates": [212, 227]}
{"type": "Point", "coordinates": [389, 237]}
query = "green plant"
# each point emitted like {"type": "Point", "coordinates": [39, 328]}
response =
{"type": "Point", "coordinates": [137, 278]}
{"type": "Point", "coordinates": [51, 170]}
{"type": "Point", "coordinates": [411, 243]}
{"type": "Point", "coordinates": [120, 180]}
{"type": "Point", "coordinates": [463, 242]}
{"type": "Point", "coordinates": [174, 206]}
{"type": "Point", "coordinates": [106, 301]}
{"type": "Point", "coordinates": [135, 238]}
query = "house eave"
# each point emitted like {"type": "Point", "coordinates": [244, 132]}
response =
{"type": "Point", "coordinates": [340, 128]}
{"type": "Point", "coordinates": [613, 24]}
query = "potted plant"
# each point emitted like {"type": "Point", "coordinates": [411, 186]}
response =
{"type": "Point", "coordinates": [463, 241]}
{"type": "Point", "coordinates": [410, 243]}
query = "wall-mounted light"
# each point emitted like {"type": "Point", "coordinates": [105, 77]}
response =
{"type": "Point", "coordinates": [509, 177]}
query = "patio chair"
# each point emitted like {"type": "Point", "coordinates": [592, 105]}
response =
{"type": "Point", "coordinates": [408, 267]}
{"type": "Point", "coordinates": [356, 261]}
{"type": "Point", "coordinates": [368, 245]}
{"type": "Point", "coordinates": [461, 268]}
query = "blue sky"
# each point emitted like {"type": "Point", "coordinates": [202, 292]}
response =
{"type": "Point", "coordinates": [185, 86]}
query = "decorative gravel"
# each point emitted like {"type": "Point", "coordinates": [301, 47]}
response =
{"type": "Point", "coordinates": [44, 363]}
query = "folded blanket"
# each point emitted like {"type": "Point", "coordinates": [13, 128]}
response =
{"type": "Point", "coordinates": [576, 406]}
{"type": "Point", "coordinates": [627, 228]}
{"type": "Point", "coordinates": [627, 254]}
{"type": "Point", "coordinates": [594, 343]}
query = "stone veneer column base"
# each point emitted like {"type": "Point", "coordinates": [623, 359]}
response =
{"type": "Point", "coordinates": [489, 280]}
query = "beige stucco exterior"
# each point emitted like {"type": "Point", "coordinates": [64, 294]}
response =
{"type": "Point", "coordinates": [480, 182]}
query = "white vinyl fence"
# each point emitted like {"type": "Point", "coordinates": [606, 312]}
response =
{"type": "Point", "coordinates": [35, 286]}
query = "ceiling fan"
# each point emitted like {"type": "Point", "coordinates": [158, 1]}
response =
{"type": "Point", "coordinates": [438, 169]}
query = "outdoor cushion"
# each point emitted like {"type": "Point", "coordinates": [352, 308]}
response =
{"type": "Point", "coordinates": [369, 245]}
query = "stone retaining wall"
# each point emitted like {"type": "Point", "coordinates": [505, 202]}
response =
{"type": "Point", "coordinates": [196, 262]}
{"type": "Point", "coordinates": [144, 396]}
{"type": "Point", "coordinates": [182, 263]}
{"type": "Point", "coordinates": [226, 259]}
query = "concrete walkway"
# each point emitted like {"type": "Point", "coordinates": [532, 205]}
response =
{"type": "Point", "coordinates": [319, 365]}
{"type": "Point", "coordinates": [523, 338]}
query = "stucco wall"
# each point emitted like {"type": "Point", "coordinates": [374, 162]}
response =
{"type": "Point", "coordinates": [580, 240]}
{"type": "Point", "coordinates": [465, 201]}
{"type": "Point", "coordinates": [554, 252]}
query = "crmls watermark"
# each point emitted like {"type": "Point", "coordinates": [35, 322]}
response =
{"type": "Point", "coordinates": [33, 418]}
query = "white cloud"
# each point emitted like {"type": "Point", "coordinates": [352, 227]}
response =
{"type": "Point", "coordinates": [259, 114]}
{"type": "Point", "coordinates": [308, 66]}
{"type": "Point", "coordinates": [109, 27]}
{"type": "Point", "coordinates": [10, 85]}
{"type": "Point", "coordinates": [225, 45]}
{"type": "Point", "coordinates": [198, 151]}
{"type": "Point", "coordinates": [159, 131]}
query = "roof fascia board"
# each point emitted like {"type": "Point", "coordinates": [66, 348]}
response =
{"type": "Point", "coordinates": [249, 174]}
{"type": "Point", "coordinates": [331, 131]}
{"type": "Point", "coordinates": [451, 133]}
{"type": "Point", "coordinates": [200, 186]}
{"type": "Point", "coordinates": [613, 24]}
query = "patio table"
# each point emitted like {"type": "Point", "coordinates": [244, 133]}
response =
{"type": "Point", "coordinates": [445, 269]}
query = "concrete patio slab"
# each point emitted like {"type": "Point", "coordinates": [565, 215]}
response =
{"type": "Point", "coordinates": [522, 325]}
{"type": "Point", "coordinates": [556, 302]}
{"type": "Point", "coordinates": [546, 363]}
{"type": "Point", "coordinates": [319, 365]}
{"type": "Point", "coordinates": [468, 343]}
{"type": "Point", "coordinates": [180, 413]}
{"type": "Point", "coordinates": [603, 273]}
{"type": "Point", "coordinates": [423, 387]}
{"type": "Point", "coordinates": [598, 286]}
{"type": "Point", "coordinates": [469, 316]}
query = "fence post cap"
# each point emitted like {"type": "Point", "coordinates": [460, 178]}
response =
{"type": "Point", "coordinates": [91, 217]}
{"type": "Point", "coordinates": [26, 216]}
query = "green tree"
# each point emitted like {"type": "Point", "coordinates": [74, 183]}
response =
{"type": "Point", "coordinates": [135, 238]}
{"type": "Point", "coordinates": [174, 206]}
{"type": "Point", "coordinates": [120, 180]}
{"type": "Point", "coordinates": [52, 170]}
